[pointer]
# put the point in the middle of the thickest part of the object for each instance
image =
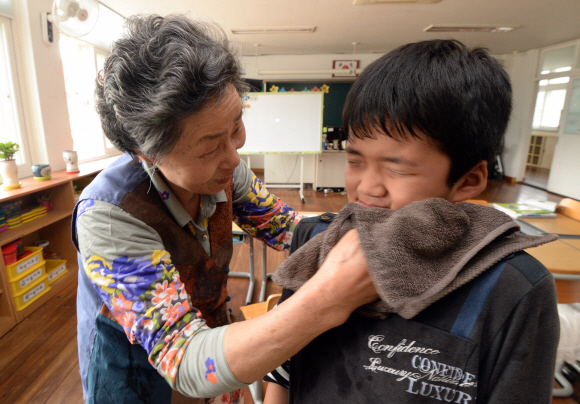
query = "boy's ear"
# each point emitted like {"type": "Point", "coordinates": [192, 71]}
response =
{"type": "Point", "coordinates": [471, 184]}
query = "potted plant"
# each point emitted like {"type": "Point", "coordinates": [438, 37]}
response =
{"type": "Point", "coordinates": [8, 167]}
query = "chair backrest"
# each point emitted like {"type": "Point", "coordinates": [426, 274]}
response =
{"type": "Point", "coordinates": [273, 300]}
{"type": "Point", "coordinates": [478, 202]}
{"type": "Point", "coordinates": [569, 207]}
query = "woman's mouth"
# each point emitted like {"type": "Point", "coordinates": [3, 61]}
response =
{"type": "Point", "coordinates": [224, 180]}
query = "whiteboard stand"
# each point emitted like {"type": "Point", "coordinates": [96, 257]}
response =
{"type": "Point", "coordinates": [299, 186]}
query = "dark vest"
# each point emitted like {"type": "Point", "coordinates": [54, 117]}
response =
{"type": "Point", "coordinates": [203, 276]}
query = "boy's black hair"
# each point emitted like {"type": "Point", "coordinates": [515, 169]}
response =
{"type": "Point", "coordinates": [459, 98]}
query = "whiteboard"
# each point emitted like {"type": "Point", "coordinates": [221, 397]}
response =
{"type": "Point", "coordinates": [287, 122]}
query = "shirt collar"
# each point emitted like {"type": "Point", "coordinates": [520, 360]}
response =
{"type": "Point", "coordinates": [175, 208]}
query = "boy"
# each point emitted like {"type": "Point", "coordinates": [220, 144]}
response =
{"type": "Point", "coordinates": [423, 122]}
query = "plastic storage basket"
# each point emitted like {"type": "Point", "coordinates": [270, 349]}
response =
{"type": "Point", "coordinates": [21, 266]}
{"type": "Point", "coordinates": [26, 297]}
{"type": "Point", "coordinates": [55, 269]}
{"type": "Point", "coordinates": [27, 278]}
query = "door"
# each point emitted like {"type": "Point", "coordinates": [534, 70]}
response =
{"type": "Point", "coordinates": [565, 173]}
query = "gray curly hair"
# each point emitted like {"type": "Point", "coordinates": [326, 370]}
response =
{"type": "Point", "coordinates": [161, 71]}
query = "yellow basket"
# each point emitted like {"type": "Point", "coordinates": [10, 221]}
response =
{"type": "Point", "coordinates": [55, 269]}
{"type": "Point", "coordinates": [26, 297]}
{"type": "Point", "coordinates": [21, 266]}
{"type": "Point", "coordinates": [27, 278]}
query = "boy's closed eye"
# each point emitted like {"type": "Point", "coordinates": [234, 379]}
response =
{"type": "Point", "coordinates": [397, 172]}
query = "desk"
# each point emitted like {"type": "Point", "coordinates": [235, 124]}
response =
{"type": "Point", "coordinates": [573, 242]}
{"type": "Point", "coordinates": [562, 225]}
{"type": "Point", "coordinates": [562, 258]}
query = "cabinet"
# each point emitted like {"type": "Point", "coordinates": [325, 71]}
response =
{"type": "Point", "coordinates": [54, 227]}
{"type": "Point", "coordinates": [330, 167]}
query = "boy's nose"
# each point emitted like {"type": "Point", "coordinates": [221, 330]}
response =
{"type": "Point", "coordinates": [372, 185]}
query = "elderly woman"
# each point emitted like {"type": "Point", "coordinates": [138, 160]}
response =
{"type": "Point", "coordinates": [153, 230]}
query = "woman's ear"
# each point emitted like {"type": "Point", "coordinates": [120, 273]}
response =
{"type": "Point", "coordinates": [471, 184]}
{"type": "Point", "coordinates": [143, 157]}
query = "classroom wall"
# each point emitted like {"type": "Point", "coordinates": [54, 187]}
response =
{"type": "Point", "coordinates": [252, 64]}
{"type": "Point", "coordinates": [46, 113]}
{"type": "Point", "coordinates": [520, 66]}
{"type": "Point", "coordinates": [300, 62]}
{"type": "Point", "coordinates": [45, 104]}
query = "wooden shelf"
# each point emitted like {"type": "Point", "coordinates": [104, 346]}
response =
{"type": "Point", "coordinates": [55, 227]}
{"type": "Point", "coordinates": [30, 185]}
{"type": "Point", "coordinates": [14, 234]}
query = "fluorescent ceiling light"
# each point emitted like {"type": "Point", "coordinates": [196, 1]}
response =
{"type": "Point", "coordinates": [273, 30]}
{"type": "Point", "coordinates": [361, 2]}
{"type": "Point", "coordinates": [469, 28]}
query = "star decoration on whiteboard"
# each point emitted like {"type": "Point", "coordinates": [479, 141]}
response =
{"type": "Point", "coordinates": [274, 89]}
{"type": "Point", "coordinates": [324, 88]}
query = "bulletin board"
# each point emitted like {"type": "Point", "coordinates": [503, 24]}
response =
{"type": "Point", "coordinates": [283, 122]}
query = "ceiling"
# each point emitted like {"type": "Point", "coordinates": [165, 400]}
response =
{"type": "Point", "coordinates": [378, 28]}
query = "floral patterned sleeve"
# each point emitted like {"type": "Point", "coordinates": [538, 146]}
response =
{"type": "Point", "coordinates": [128, 266]}
{"type": "Point", "coordinates": [260, 213]}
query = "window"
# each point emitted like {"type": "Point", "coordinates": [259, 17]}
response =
{"type": "Point", "coordinates": [81, 61]}
{"type": "Point", "coordinates": [11, 124]}
{"type": "Point", "coordinates": [572, 125]}
{"type": "Point", "coordinates": [551, 96]}
{"type": "Point", "coordinates": [549, 105]}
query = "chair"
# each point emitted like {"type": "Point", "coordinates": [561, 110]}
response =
{"type": "Point", "coordinates": [478, 202]}
{"type": "Point", "coordinates": [257, 309]}
{"type": "Point", "coordinates": [569, 207]}
{"type": "Point", "coordinates": [252, 311]}
{"type": "Point", "coordinates": [568, 347]}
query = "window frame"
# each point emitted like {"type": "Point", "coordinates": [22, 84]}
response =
{"type": "Point", "coordinates": [108, 151]}
{"type": "Point", "coordinates": [25, 168]}
{"type": "Point", "coordinates": [573, 74]}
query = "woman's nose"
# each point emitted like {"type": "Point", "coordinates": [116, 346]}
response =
{"type": "Point", "coordinates": [231, 158]}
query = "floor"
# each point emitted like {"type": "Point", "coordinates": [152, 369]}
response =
{"type": "Point", "coordinates": [537, 176]}
{"type": "Point", "coordinates": [39, 356]}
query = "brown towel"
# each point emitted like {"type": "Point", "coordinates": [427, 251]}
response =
{"type": "Point", "coordinates": [416, 254]}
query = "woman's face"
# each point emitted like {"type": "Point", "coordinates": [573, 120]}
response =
{"type": "Point", "coordinates": [204, 159]}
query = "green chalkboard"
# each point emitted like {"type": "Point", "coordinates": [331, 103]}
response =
{"type": "Point", "coordinates": [333, 100]}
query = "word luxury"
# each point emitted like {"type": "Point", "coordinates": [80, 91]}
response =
{"type": "Point", "coordinates": [422, 371]}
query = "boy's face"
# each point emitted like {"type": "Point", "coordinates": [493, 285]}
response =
{"type": "Point", "coordinates": [392, 173]}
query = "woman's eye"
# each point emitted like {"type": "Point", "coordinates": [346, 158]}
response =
{"type": "Point", "coordinates": [210, 153]}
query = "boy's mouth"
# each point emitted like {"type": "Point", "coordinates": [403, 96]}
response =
{"type": "Point", "coordinates": [371, 205]}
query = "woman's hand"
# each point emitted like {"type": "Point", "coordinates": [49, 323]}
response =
{"type": "Point", "coordinates": [343, 279]}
